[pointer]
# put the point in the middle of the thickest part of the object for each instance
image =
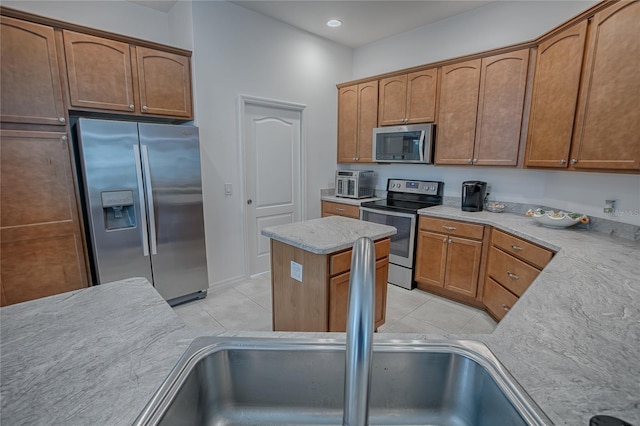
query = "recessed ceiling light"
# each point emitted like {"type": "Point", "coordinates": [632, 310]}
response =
{"type": "Point", "coordinates": [334, 23]}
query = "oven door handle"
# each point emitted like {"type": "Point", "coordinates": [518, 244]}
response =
{"type": "Point", "coordinates": [387, 212]}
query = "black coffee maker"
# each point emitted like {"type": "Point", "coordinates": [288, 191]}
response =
{"type": "Point", "coordinates": [473, 193]}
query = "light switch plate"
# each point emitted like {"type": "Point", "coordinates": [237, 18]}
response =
{"type": "Point", "coordinates": [296, 271]}
{"type": "Point", "coordinates": [228, 190]}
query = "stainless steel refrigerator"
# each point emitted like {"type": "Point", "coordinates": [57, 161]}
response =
{"type": "Point", "coordinates": [142, 193]}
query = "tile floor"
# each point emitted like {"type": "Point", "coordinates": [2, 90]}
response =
{"type": "Point", "coordinates": [247, 307]}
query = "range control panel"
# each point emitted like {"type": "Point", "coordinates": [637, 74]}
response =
{"type": "Point", "coordinates": [414, 186]}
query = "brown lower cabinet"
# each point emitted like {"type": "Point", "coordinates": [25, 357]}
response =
{"type": "Point", "coordinates": [319, 302]}
{"type": "Point", "coordinates": [40, 234]}
{"type": "Point", "coordinates": [512, 266]}
{"type": "Point", "coordinates": [476, 265]}
{"type": "Point", "coordinates": [449, 257]}
{"type": "Point", "coordinates": [329, 208]}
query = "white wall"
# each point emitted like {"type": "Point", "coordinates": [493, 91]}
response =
{"type": "Point", "coordinates": [236, 52]}
{"type": "Point", "coordinates": [495, 25]}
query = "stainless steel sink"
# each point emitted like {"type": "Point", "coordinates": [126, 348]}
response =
{"type": "Point", "coordinates": [234, 381]}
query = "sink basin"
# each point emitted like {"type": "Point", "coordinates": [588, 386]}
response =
{"type": "Point", "coordinates": [235, 381]}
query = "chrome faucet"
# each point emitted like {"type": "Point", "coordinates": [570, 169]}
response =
{"type": "Point", "coordinates": [360, 321]}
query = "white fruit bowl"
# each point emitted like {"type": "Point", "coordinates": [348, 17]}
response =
{"type": "Point", "coordinates": [557, 219]}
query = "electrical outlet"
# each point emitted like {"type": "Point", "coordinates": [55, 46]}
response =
{"type": "Point", "coordinates": [296, 271]}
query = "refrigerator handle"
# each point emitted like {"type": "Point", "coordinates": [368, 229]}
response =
{"type": "Point", "coordinates": [143, 216]}
{"type": "Point", "coordinates": [152, 214]}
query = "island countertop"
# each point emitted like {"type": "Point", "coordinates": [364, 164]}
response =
{"type": "Point", "coordinates": [328, 234]}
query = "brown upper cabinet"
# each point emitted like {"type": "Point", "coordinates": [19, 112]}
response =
{"type": "Point", "coordinates": [555, 93]}
{"type": "Point", "coordinates": [481, 108]}
{"type": "Point", "coordinates": [408, 98]}
{"type": "Point", "coordinates": [588, 118]}
{"type": "Point", "coordinates": [35, 96]}
{"type": "Point", "coordinates": [357, 117]}
{"type": "Point", "coordinates": [101, 76]}
{"type": "Point", "coordinates": [459, 90]}
{"type": "Point", "coordinates": [608, 122]}
{"type": "Point", "coordinates": [164, 81]}
{"type": "Point", "coordinates": [99, 72]}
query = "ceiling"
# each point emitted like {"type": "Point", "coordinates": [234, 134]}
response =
{"type": "Point", "coordinates": [363, 21]}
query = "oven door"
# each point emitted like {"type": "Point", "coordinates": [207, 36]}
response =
{"type": "Point", "coordinates": [402, 243]}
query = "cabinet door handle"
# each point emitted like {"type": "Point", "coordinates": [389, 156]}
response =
{"type": "Point", "coordinates": [505, 307]}
{"type": "Point", "coordinates": [563, 161]}
{"type": "Point", "coordinates": [449, 228]}
{"type": "Point", "coordinates": [62, 120]}
{"type": "Point", "coordinates": [469, 160]}
{"type": "Point", "coordinates": [131, 106]}
{"type": "Point", "coordinates": [512, 275]}
{"type": "Point", "coordinates": [444, 240]}
{"type": "Point", "coordinates": [475, 160]}
{"type": "Point", "coordinates": [449, 241]}
{"type": "Point", "coordinates": [144, 108]}
{"type": "Point", "coordinates": [516, 248]}
{"type": "Point", "coordinates": [573, 161]}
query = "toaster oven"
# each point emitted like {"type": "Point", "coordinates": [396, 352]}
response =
{"type": "Point", "coordinates": [354, 183]}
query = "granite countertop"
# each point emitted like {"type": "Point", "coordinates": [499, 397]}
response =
{"type": "Point", "coordinates": [89, 357]}
{"type": "Point", "coordinates": [97, 355]}
{"type": "Point", "coordinates": [573, 339]}
{"type": "Point", "coordinates": [328, 234]}
{"type": "Point", "coordinates": [351, 201]}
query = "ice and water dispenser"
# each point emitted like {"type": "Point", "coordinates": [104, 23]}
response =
{"type": "Point", "coordinates": [118, 210]}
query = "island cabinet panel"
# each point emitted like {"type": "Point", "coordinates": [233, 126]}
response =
{"type": "Point", "coordinates": [31, 88]}
{"type": "Point", "coordinates": [357, 117]}
{"type": "Point", "coordinates": [164, 81]}
{"type": "Point", "coordinates": [449, 257]}
{"type": "Point", "coordinates": [503, 83]}
{"type": "Point", "coordinates": [408, 98]}
{"type": "Point", "coordinates": [330, 208]}
{"type": "Point", "coordinates": [512, 265]}
{"type": "Point", "coordinates": [457, 111]}
{"type": "Point", "coordinates": [554, 99]}
{"type": "Point", "coordinates": [319, 302]}
{"type": "Point", "coordinates": [608, 121]}
{"type": "Point", "coordinates": [99, 72]}
{"type": "Point", "coordinates": [298, 306]}
{"type": "Point", "coordinates": [40, 231]}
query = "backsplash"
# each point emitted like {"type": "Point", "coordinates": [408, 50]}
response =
{"type": "Point", "coordinates": [597, 224]}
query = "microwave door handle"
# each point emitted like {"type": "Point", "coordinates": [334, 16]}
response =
{"type": "Point", "coordinates": [421, 145]}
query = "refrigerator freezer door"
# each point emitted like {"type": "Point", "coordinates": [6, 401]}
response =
{"type": "Point", "coordinates": [171, 163]}
{"type": "Point", "coordinates": [114, 201]}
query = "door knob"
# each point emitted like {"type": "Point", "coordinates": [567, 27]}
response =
{"type": "Point", "coordinates": [249, 201]}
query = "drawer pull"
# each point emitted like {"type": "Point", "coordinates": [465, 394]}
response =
{"type": "Point", "coordinates": [340, 209]}
{"type": "Point", "coordinates": [512, 275]}
{"type": "Point", "coordinates": [449, 228]}
{"type": "Point", "coordinates": [506, 308]}
{"type": "Point", "coordinates": [516, 248]}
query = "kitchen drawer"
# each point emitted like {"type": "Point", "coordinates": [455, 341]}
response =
{"type": "Point", "coordinates": [452, 227]}
{"type": "Point", "coordinates": [524, 250]}
{"type": "Point", "coordinates": [330, 208]}
{"type": "Point", "coordinates": [341, 262]}
{"type": "Point", "coordinates": [497, 299]}
{"type": "Point", "coordinates": [513, 274]}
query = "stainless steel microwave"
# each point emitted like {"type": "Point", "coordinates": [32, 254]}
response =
{"type": "Point", "coordinates": [404, 144]}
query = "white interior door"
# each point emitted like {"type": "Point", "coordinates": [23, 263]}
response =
{"type": "Point", "coordinates": [272, 143]}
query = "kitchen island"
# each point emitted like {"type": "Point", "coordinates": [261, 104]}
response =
{"type": "Point", "coordinates": [310, 271]}
{"type": "Point", "coordinates": [97, 355]}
